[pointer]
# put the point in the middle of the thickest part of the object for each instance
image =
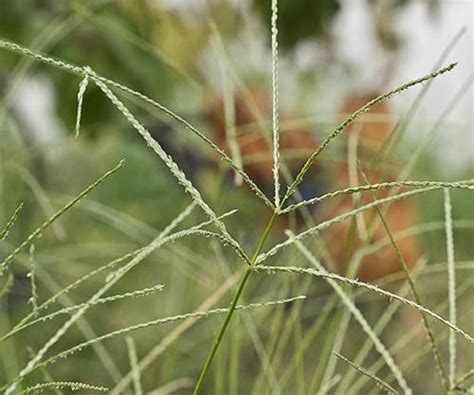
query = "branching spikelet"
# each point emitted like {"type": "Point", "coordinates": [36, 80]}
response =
{"type": "Point", "coordinates": [73, 386]}
{"type": "Point", "coordinates": [172, 166]}
{"type": "Point", "coordinates": [371, 287]}
{"type": "Point", "coordinates": [353, 117]}
{"type": "Point", "coordinates": [166, 320]}
{"type": "Point", "coordinates": [80, 98]}
{"type": "Point", "coordinates": [4, 233]}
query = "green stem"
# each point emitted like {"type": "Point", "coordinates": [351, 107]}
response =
{"type": "Point", "coordinates": [234, 302]}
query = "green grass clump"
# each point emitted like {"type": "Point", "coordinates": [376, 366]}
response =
{"type": "Point", "coordinates": [212, 256]}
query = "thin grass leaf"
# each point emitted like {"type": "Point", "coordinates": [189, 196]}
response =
{"type": "Point", "coordinates": [172, 386]}
{"type": "Point", "coordinates": [4, 233]}
{"type": "Point", "coordinates": [352, 118]}
{"type": "Point", "coordinates": [229, 115]}
{"type": "Point", "coordinates": [371, 287]}
{"type": "Point", "coordinates": [466, 376]}
{"type": "Point", "coordinates": [315, 330]}
{"type": "Point", "coordinates": [37, 233]}
{"type": "Point", "coordinates": [269, 372]}
{"type": "Point", "coordinates": [340, 325]}
{"type": "Point", "coordinates": [379, 382]}
{"type": "Point", "coordinates": [43, 200]}
{"type": "Point", "coordinates": [7, 286]}
{"type": "Point", "coordinates": [72, 385]}
{"type": "Point", "coordinates": [451, 284]}
{"type": "Point", "coordinates": [328, 385]}
{"type": "Point", "coordinates": [132, 354]}
{"type": "Point", "coordinates": [357, 314]}
{"type": "Point", "coordinates": [352, 159]}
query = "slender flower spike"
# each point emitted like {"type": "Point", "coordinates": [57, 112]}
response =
{"type": "Point", "coordinates": [275, 103]}
{"type": "Point", "coordinates": [80, 99]}
{"type": "Point", "coordinates": [451, 285]}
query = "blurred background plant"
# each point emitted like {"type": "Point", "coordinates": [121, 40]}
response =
{"type": "Point", "coordinates": [187, 55]}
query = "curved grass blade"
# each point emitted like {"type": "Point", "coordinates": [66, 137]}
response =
{"type": "Point", "coordinates": [36, 233]}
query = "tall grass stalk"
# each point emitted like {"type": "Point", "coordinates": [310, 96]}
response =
{"type": "Point", "coordinates": [406, 270]}
{"type": "Point", "coordinates": [451, 284]}
{"type": "Point", "coordinates": [275, 103]}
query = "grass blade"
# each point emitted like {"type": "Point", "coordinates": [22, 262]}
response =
{"type": "Point", "coordinates": [132, 353]}
{"type": "Point", "coordinates": [55, 216]}
{"type": "Point", "coordinates": [379, 382]}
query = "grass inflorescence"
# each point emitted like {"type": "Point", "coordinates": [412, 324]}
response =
{"type": "Point", "coordinates": [346, 288]}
